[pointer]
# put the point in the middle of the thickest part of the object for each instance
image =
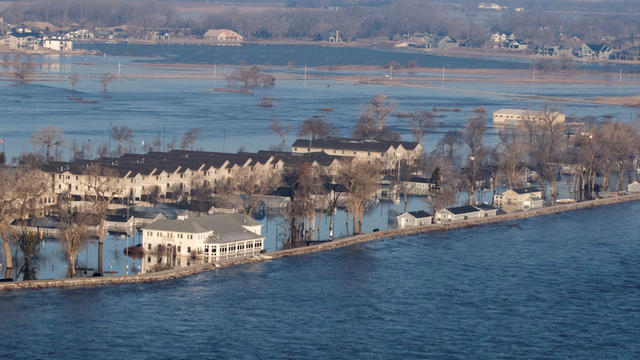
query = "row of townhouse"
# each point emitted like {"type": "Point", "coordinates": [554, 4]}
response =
{"type": "Point", "coordinates": [166, 174]}
{"type": "Point", "coordinates": [388, 153]}
{"type": "Point", "coordinates": [34, 41]}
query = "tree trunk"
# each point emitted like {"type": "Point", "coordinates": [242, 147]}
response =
{"type": "Point", "coordinates": [471, 191]}
{"type": "Point", "coordinates": [7, 251]}
{"type": "Point", "coordinates": [406, 201]}
{"type": "Point", "coordinates": [621, 180]}
{"type": "Point", "coordinates": [71, 271]}
{"type": "Point", "coordinates": [346, 221]}
{"type": "Point", "coordinates": [355, 222]}
{"type": "Point", "coordinates": [100, 244]}
{"type": "Point", "coordinates": [331, 226]}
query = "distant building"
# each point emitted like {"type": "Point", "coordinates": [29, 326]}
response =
{"type": "Point", "coordinates": [23, 40]}
{"type": "Point", "coordinates": [446, 42]}
{"type": "Point", "coordinates": [520, 116]}
{"type": "Point", "coordinates": [222, 35]}
{"type": "Point", "coordinates": [629, 54]}
{"type": "Point", "coordinates": [211, 237]}
{"type": "Point", "coordinates": [388, 152]}
{"type": "Point", "coordinates": [594, 52]}
{"type": "Point", "coordinates": [518, 44]}
{"type": "Point", "coordinates": [413, 219]}
{"type": "Point", "coordinates": [57, 43]}
{"type": "Point", "coordinates": [525, 198]}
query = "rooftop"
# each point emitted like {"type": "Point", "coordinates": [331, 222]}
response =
{"type": "Point", "coordinates": [223, 227]}
{"type": "Point", "coordinates": [354, 144]}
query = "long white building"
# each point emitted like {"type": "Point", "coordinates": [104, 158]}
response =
{"type": "Point", "coordinates": [211, 237]}
{"type": "Point", "coordinates": [521, 116]}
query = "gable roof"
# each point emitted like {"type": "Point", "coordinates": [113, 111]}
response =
{"type": "Point", "coordinates": [463, 209]}
{"type": "Point", "coordinates": [223, 227]}
{"type": "Point", "coordinates": [354, 144]}
{"type": "Point", "coordinates": [526, 190]}
{"type": "Point", "coordinates": [419, 214]}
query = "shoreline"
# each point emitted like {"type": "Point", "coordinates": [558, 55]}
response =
{"type": "Point", "coordinates": [338, 243]}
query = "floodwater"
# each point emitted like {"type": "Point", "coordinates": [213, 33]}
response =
{"type": "Point", "coordinates": [561, 286]}
{"type": "Point", "coordinates": [156, 97]}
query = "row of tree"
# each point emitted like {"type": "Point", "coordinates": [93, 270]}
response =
{"type": "Point", "coordinates": [51, 144]}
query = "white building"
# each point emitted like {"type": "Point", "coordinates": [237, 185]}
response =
{"type": "Point", "coordinates": [216, 236]}
{"type": "Point", "coordinates": [222, 35]}
{"type": "Point", "coordinates": [520, 116]}
{"type": "Point", "coordinates": [464, 213]}
{"type": "Point", "coordinates": [634, 187]}
{"type": "Point", "coordinates": [525, 198]}
{"type": "Point", "coordinates": [57, 43]}
{"type": "Point", "coordinates": [413, 218]}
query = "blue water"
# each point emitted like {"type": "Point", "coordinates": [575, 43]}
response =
{"type": "Point", "coordinates": [281, 55]}
{"type": "Point", "coordinates": [562, 286]}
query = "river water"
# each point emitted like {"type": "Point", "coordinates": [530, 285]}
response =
{"type": "Point", "coordinates": [561, 286]}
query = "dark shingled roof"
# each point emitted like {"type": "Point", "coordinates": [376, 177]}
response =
{"type": "Point", "coordinates": [419, 214]}
{"type": "Point", "coordinates": [354, 144]}
{"type": "Point", "coordinates": [463, 209]}
{"type": "Point", "coordinates": [526, 190]}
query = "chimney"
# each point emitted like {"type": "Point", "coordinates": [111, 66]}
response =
{"type": "Point", "coordinates": [182, 216]}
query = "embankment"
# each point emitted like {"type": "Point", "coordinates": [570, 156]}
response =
{"type": "Point", "coordinates": [347, 241]}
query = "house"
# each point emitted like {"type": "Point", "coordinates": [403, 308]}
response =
{"type": "Point", "coordinates": [212, 237]}
{"type": "Point", "coordinates": [524, 198]}
{"type": "Point", "coordinates": [387, 152]}
{"type": "Point", "coordinates": [629, 54]}
{"type": "Point", "coordinates": [634, 187]}
{"type": "Point", "coordinates": [417, 185]}
{"type": "Point", "coordinates": [517, 44]}
{"type": "Point", "coordinates": [464, 213]}
{"type": "Point", "coordinates": [520, 116]}
{"type": "Point", "coordinates": [23, 40]}
{"type": "Point", "coordinates": [57, 43]}
{"type": "Point", "coordinates": [502, 38]}
{"type": "Point", "coordinates": [594, 52]}
{"type": "Point", "coordinates": [222, 35]}
{"type": "Point", "coordinates": [413, 218]}
{"type": "Point", "coordinates": [446, 42]}
{"type": "Point", "coordinates": [555, 51]}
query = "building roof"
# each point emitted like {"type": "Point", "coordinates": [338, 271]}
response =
{"type": "Point", "coordinates": [223, 227]}
{"type": "Point", "coordinates": [354, 144]}
{"type": "Point", "coordinates": [463, 209]}
{"type": "Point", "coordinates": [485, 207]}
{"type": "Point", "coordinates": [419, 214]}
{"type": "Point", "coordinates": [526, 190]}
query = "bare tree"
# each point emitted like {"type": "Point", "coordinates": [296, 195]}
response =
{"type": "Point", "coordinates": [46, 138]}
{"type": "Point", "coordinates": [105, 80]}
{"type": "Point", "coordinates": [23, 72]}
{"type": "Point", "coordinates": [251, 78]}
{"type": "Point", "coordinates": [473, 135]}
{"type": "Point", "coordinates": [422, 122]}
{"type": "Point", "coordinates": [362, 181]}
{"type": "Point", "coordinates": [278, 128]}
{"type": "Point", "coordinates": [74, 231]}
{"type": "Point", "coordinates": [28, 187]}
{"type": "Point", "coordinates": [252, 183]}
{"type": "Point", "coordinates": [371, 120]}
{"type": "Point", "coordinates": [189, 138]}
{"type": "Point", "coordinates": [121, 134]}
{"type": "Point", "coordinates": [511, 155]}
{"type": "Point", "coordinates": [316, 127]}
{"type": "Point", "coordinates": [102, 185]}
{"type": "Point", "coordinates": [73, 80]}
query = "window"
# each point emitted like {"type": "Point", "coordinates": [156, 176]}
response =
{"type": "Point", "coordinates": [179, 248]}
{"type": "Point", "coordinates": [258, 244]}
{"type": "Point", "coordinates": [213, 249]}
{"type": "Point", "coordinates": [149, 246]}
{"type": "Point", "coordinates": [189, 249]}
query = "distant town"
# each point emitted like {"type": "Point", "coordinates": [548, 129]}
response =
{"type": "Point", "coordinates": [490, 28]}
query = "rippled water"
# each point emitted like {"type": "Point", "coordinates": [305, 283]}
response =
{"type": "Point", "coordinates": [559, 286]}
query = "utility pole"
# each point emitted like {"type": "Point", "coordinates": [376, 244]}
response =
{"type": "Point", "coordinates": [215, 71]}
{"type": "Point", "coordinates": [305, 76]}
{"type": "Point", "coordinates": [442, 75]}
{"type": "Point", "coordinates": [109, 137]}
{"type": "Point", "coordinates": [224, 138]}
{"type": "Point", "coordinates": [620, 78]}
{"type": "Point", "coordinates": [391, 73]}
